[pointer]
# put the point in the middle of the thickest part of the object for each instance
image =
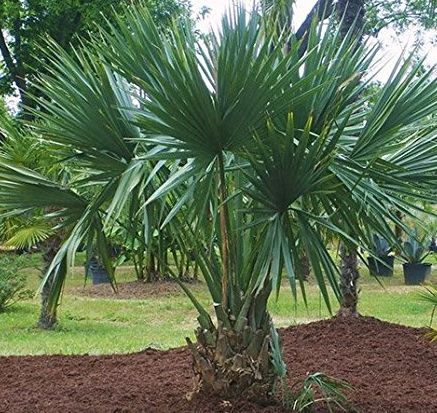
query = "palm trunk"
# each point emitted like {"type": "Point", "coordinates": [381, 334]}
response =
{"type": "Point", "coordinates": [352, 13]}
{"type": "Point", "coordinates": [348, 281]}
{"type": "Point", "coordinates": [138, 259]}
{"type": "Point", "coordinates": [224, 233]}
{"type": "Point", "coordinates": [152, 273]}
{"type": "Point", "coordinates": [305, 266]}
{"type": "Point", "coordinates": [230, 364]}
{"type": "Point", "coordinates": [234, 359]}
{"type": "Point", "coordinates": [47, 318]}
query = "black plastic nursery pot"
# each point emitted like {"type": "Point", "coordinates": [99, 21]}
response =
{"type": "Point", "coordinates": [98, 273]}
{"type": "Point", "coordinates": [381, 269]}
{"type": "Point", "coordinates": [100, 276]}
{"type": "Point", "coordinates": [416, 274]}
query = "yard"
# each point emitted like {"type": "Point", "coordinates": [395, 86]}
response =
{"type": "Point", "coordinates": [228, 185]}
{"type": "Point", "coordinates": [93, 320]}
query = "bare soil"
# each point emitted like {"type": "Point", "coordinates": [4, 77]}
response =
{"type": "Point", "coordinates": [131, 290]}
{"type": "Point", "coordinates": [393, 369]}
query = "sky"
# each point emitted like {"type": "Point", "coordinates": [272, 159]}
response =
{"type": "Point", "coordinates": [394, 45]}
{"type": "Point", "coordinates": [218, 7]}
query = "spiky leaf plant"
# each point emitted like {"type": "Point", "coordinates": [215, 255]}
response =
{"type": "Point", "coordinates": [416, 248]}
{"type": "Point", "coordinates": [252, 154]}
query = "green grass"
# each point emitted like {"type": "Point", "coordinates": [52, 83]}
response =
{"type": "Point", "coordinates": [103, 326]}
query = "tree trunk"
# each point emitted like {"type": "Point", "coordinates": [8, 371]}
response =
{"type": "Point", "coordinates": [138, 259]}
{"type": "Point", "coordinates": [48, 319]}
{"type": "Point", "coordinates": [152, 274]}
{"type": "Point", "coordinates": [322, 9]}
{"type": "Point", "coordinates": [351, 13]}
{"type": "Point", "coordinates": [348, 281]}
{"type": "Point", "coordinates": [232, 364]}
{"type": "Point", "coordinates": [235, 359]}
{"type": "Point", "coordinates": [305, 266]}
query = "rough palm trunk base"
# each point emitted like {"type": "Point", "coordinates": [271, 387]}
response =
{"type": "Point", "coordinates": [47, 320]}
{"type": "Point", "coordinates": [349, 276]}
{"type": "Point", "coordinates": [305, 267]}
{"type": "Point", "coordinates": [230, 364]}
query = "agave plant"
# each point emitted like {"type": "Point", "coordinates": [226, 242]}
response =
{"type": "Point", "coordinates": [380, 247]}
{"type": "Point", "coordinates": [415, 249]}
{"type": "Point", "coordinates": [250, 152]}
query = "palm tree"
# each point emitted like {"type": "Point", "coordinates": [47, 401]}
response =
{"type": "Point", "coordinates": [350, 16]}
{"type": "Point", "coordinates": [255, 151]}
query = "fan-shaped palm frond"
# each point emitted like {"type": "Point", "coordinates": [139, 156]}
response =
{"type": "Point", "coordinates": [27, 236]}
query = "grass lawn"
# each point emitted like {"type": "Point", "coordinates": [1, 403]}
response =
{"type": "Point", "coordinates": [102, 326]}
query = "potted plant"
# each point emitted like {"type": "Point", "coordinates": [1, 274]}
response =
{"type": "Point", "coordinates": [381, 263]}
{"type": "Point", "coordinates": [97, 271]}
{"type": "Point", "coordinates": [414, 252]}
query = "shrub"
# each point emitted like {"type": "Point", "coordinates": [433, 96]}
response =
{"type": "Point", "coordinates": [12, 283]}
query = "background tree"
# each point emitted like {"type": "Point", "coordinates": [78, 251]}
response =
{"type": "Point", "coordinates": [399, 15]}
{"type": "Point", "coordinates": [25, 24]}
{"type": "Point", "coordinates": [366, 17]}
{"type": "Point", "coordinates": [350, 14]}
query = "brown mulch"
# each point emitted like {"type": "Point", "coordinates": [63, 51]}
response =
{"type": "Point", "coordinates": [131, 290]}
{"type": "Point", "coordinates": [392, 368]}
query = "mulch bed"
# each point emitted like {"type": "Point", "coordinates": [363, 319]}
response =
{"type": "Point", "coordinates": [393, 369]}
{"type": "Point", "coordinates": [138, 290]}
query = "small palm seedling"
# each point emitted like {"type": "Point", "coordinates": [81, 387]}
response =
{"type": "Point", "coordinates": [319, 389]}
{"type": "Point", "coordinates": [429, 296]}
